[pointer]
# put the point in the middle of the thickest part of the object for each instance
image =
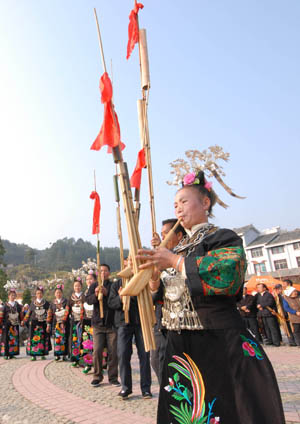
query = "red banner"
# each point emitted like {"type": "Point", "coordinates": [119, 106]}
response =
{"type": "Point", "coordinates": [135, 180]}
{"type": "Point", "coordinates": [96, 215]}
{"type": "Point", "coordinates": [109, 134]}
{"type": "Point", "coordinates": [133, 28]}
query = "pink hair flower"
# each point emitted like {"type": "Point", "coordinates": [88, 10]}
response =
{"type": "Point", "coordinates": [208, 185]}
{"type": "Point", "coordinates": [189, 178]}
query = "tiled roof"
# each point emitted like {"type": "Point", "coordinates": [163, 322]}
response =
{"type": "Point", "coordinates": [242, 230]}
{"type": "Point", "coordinates": [263, 239]}
{"type": "Point", "coordinates": [286, 237]}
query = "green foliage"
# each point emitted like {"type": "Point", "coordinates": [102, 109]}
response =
{"type": "Point", "coordinates": [63, 255]}
{"type": "Point", "coordinates": [26, 297]}
{"type": "Point", "coordinates": [27, 273]}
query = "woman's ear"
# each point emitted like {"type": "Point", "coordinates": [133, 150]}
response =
{"type": "Point", "coordinates": [206, 203]}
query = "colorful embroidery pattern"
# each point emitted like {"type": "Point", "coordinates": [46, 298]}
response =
{"type": "Point", "coordinates": [192, 405]}
{"type": "Point", "coordinates": [59, 341]}
{"type": "Point", "coordinates": [87, 345]}
{"type": "Point", "coordinates": [12, 342]}
{"type": "Point", "coordinates": [222, 271]}
{"type": "Point", "coordinates": [38, 344]}
{"type": "Point", "coordinates": [250, 348]}
{"type": "Point", "coordinates": [75, 345]}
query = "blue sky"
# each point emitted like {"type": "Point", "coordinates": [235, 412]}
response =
{"type": "Point", "coordinates": [222, 72]}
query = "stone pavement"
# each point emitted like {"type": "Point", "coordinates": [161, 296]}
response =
{"type": "Point", "coordinates": [49, 392]}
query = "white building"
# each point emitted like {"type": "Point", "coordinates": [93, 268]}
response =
{"type": "Point", "coordinates": [272, 251]}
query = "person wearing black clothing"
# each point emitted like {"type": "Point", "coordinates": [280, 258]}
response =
{"type": "Point", "coordinates": [265, 300]}
{"type": "Point", "coordinates": [104, 333]}
{"type": "Point", "coordinates": [126, 332]}
{"type": "Point", "coordinates": [248, 310]}
{"type": "Point", "coordinates": [209, 354]}
{"type": "Point", "coordinates": [157, 356]}
{"type": "Point", "coordinates": [278, 291]}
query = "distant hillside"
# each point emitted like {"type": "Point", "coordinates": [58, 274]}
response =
{"type": "Point", "coordinates": [64, 254]}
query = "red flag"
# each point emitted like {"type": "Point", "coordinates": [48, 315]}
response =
{"type": "Point", "coordinates": [96, 215]}
{"type": "Point", "coordinates": [133, 28]}
{"type": "Point", "coordinates": [109, 134]}
{"type": "Point", "coordinates": [135, 180]}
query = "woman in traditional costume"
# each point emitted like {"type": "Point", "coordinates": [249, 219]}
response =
{"type": "Point", "coordinates": [75, 311]}
{"type": "Point", "coordinates": [10, 319]}
{"type": "Point", "coordinates": [38, 343]}
{"type": "Point", "coordinates": [215, 371]}
{"type": "Point", "coordinates": [87, 330]}
{"type": "Point", "coordinates": [57, 320]}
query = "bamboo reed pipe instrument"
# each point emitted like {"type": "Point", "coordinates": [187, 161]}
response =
{"type": "Point", "coordinates": [145, 304]}
{"type": "Point", "coordinates": [142, 106]}
{"type": "Point", "coordinates": [141, 279]}
{"type": "Point", "coordinates": [125, 299]}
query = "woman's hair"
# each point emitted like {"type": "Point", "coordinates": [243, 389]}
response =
{"type": "Point", "coordinates": [93, 274]}
{"type": "Point", "coordinates": [264, 286]}
{"type": "Point", "coordinates": [39, 288]}
{"type": "Point", "coordinates": [77, 280]}
{"type": "Point", "coordinates": [201, 186]}
{"type": "Point", "coordinates": [59, 287]}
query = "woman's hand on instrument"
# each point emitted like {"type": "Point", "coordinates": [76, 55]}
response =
{"type": "Point", "coordinates": [97, 291]}
{"type": "Point", "coordinates": [155, 242]}
{"type": "Point", "coordinates": [104, 291]}
{"type": "Point", "coordinates": [161, 258]}
{"type": "Point", "coordinates": [48, 329]}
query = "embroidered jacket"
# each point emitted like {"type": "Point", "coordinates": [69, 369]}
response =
{"type": "Point", "coordinates": [214, 274]}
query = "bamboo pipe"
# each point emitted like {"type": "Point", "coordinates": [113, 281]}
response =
{"type": "Point", "coordinates": [144, 61]}
{"type": "Point", "coordinates": [140, 280]}
{"type": "Point", "coordinates": [125, 273]}
{"type": "Point", "coordinates": [134, 237]}
{"type": "Point", "coordinates": [119, 225]}
{"type": "Point", "coordinates": [145, 143]}
{"type": "Point", "coordinates": [120, 236]}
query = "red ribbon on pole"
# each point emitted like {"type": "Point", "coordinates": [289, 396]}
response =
{"type": "Point", "coordinates": [109, 134]}
{"type": "Point", "coordinates": [96, 215]}
{"type": "Point", "coordinates": [133, 28]}
{"type": "Point", "coordinates": [135, 180]}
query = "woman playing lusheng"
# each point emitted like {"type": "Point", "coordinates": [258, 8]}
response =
{"type": "Point", "coordinates": [10, 318]}
{"type": "Point", "coordinates": [214, 370]}
{"type": "Point", "coordinates": [57, 319]}
{"type": "Point", "coordinates": [39, 343]}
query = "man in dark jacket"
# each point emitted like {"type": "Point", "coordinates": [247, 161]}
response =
{"type": "Point", "coordinates": [248, 310]}
{"type": "Point", "coordinates": [104, 333]}
{"type": "Point", "coordinates": [264, 301]}
{"type": "Point", "coordinates": [126, 333]}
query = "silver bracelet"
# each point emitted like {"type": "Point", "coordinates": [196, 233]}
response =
{"type": "Point", "coordinates": [178, 263]}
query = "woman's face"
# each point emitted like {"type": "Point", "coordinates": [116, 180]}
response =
{"type": "Point", "coordinates": [191, 207]}
{"type": "Point", "coordinates": [39, 294]}
{"type": "Point", "coordinates": [12, 296]}
{"type": "Point", "coordinates": [58, 294]}
{"type": "Point", "coordinates": [89, 280]}
{"type": "Point", "coordinates": [77, 287]}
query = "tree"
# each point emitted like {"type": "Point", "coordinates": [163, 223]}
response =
{"type": "Point", "coordinates": [3, 276]}
{"type": "Point", "coordinates": [26, 296]}
{"type": "Point", "coordinates": [29, 256]}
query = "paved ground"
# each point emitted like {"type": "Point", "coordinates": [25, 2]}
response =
{"type": "Point", "coordinates": [49, 392]}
